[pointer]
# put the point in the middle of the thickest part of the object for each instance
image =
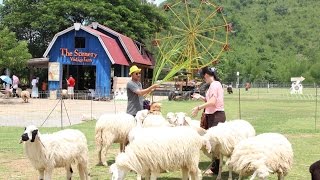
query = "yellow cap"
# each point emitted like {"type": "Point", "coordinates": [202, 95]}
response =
{"type": "Point", "coordinates": [133, 69]}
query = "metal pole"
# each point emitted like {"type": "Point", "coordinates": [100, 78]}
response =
{"type": "Point", "coordinates": [238, 81]}
{"type": "Point", "coordinates": [315, 116]}
{"type": "Point", "coordinates": [61, 107]}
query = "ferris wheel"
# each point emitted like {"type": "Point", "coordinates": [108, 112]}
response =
{"type": "Point", "coordinates": [196, 37]}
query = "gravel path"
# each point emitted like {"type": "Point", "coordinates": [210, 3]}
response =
{"type": "Point", "coordinates": [53, 113]}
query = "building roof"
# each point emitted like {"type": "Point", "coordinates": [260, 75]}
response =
{"type": "Point", "coordinates": [111, 47]}
{"type": "Point", "coordinates": [128, 45]}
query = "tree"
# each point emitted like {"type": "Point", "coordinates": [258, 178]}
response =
{"type": "Point", "coordinates": [37, 21]}
{"type": "Point", "coordinates": [13, 54]}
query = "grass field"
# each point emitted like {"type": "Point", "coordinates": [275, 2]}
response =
{"type": "Point", "coordinates": [274, 110]}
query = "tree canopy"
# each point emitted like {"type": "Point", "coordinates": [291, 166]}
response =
{"type": "Point", "coordinates": [38, 21]}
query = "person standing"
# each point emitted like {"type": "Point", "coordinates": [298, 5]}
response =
{"type": "Point", "coordinates": [44, 89]}
{"type": "Point", "coordinates": [15, 84]}
{"type": "Point", "coordinates": [35, 91]}
{"type": "Point", "coordinates": [135, 92]}
{"type": "Point", "coordinates": [213, 105]}
{"type": "Point", "coordinates": [71, 83]}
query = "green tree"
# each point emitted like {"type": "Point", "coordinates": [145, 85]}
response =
{"type": "Point", "coordinates": [38, 21]}
{"type": "Point", "coordinates": [13, 53]}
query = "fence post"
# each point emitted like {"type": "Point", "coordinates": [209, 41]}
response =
{"type": "Point", "coordinates": [239, 105]}
{"type": "Point", "coordinates": [315, 113]}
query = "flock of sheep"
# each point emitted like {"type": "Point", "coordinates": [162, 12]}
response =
{"type": "Point", "coordinates": [151, 144]}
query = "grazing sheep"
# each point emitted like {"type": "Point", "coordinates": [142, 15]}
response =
{"type": "Point", "coordinates": [112, 128]}
{"type": "Point", "coordinates": [25, 95]}
{"type": "Point", "coordinates": [261, 155]}
{"type": "Point", "coordinates": [225, 136]}
{"type": "Point", "coordinates": [156, 149]}
{"type": "Point", "coordinates": [60, 149]}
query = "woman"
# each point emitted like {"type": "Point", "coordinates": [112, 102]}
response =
{"type": "Point", "coordinates": [213, 104]}
{"type": "Point", "coordinates": [35, 91]}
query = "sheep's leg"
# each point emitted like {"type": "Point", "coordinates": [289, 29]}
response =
{"type": "Point", "coordinates": [230, 174]}
{"type": "Point", "coordinates": [108, 139]}
{"type": "Point", "coordinates": [139, 177]}
{"type": "Point", "coordinates": [41, 174]}
{"type": "Point", "coordinates": [195, 175]}
{"type": "Point", "coordinates": [154, 176]}
{"type": "Point", "coordinates": [253, 175]}
{"type": "Point", "coordinates": [83, 171]}
{"type": "Point", "coordinates": [48, 174]}
{"type": "Point", "coordinates": [220, 167]}
{"type": "Point", "coordinates": [69, 172]}
{"type": "Point", "coordinates": [185, 173]}
{"type": "Point", "coordinates": [280, 176]}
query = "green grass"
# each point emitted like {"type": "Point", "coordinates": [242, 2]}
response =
{"type": "Point", "coordinates": [273, 111]}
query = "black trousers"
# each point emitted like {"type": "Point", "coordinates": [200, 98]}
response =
{"type": "Point", "coordinates": [315, 170]}
{"type": "Point", "coordinates": [213, 120]}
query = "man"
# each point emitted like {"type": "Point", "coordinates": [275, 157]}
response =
{"type": "Point", "coordinates": [71, 83]}
{"type": "Point", "coordinates": [135, 92]}
{"type": "Point", "coordinates": [15, 83]}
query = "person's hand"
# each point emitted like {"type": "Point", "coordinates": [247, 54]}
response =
{"type": "Point", "coordinates": [194, 111]}
{"type": "Point", "coordinates": [154, 86]}
{"type": "Point", "coordinates": [196, 96]}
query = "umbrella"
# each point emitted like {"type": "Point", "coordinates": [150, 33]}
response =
{"type": "Point", "coordinates": [6, 79]}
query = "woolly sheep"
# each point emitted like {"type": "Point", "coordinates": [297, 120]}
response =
{"type": "Point", "coordinates": [155, 149]}
{"type": "Point", "coordinates": [64, 94]}
{"type": "Point", "coordinates": [152, 117]}
{"type": "Point", "coordinates": [261, 155]}
{"type": "Point", "coordinates": [112, 128]}
{"type": "Point", "coordinates": [25, 95]}
{"type": "Point", "coordinates": [181, 119]}
{"type": "Point", "coordinates": [225, 136]}
{"type": "Point", "coordinates": [60, 149]}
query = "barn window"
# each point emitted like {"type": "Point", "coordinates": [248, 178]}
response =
{"type": "Point", "coordinates": [79, 42]}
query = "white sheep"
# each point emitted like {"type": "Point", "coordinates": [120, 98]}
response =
{"type": "Point", "coordinates": [156, 149]}
{"type": "Point", "coordinates": [64, 94]}
{"type": "Point", "coordinates": [261, 155]}
{"type": "Point", "coordinates": [25, 95]}
{"type": "Point", "coordinates": [181, 119]}
{"type": "Point", "coordinates": [225, 136]}
{"type": "Point", "coordinates": [112, 128]}
{"type": "Point", "coordinates": [60, 149]}
{"type": "Point", "coordinates": [152, 117]}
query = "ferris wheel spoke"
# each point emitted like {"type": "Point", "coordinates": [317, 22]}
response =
{"type": "Point", "coordinates": [177, 16]}
{"type": "Point", "coordinates": [211, 29]}
{"type": "Point", "coordinates": [188, 15]}
{"type": "Point", "coordinates": [206, 50]}
{"type": "Point", "coordinates": [198, 14]}
{"type": "Point", "coordinates": [206, 19]}
{"type": "Point", "coordinates": [199, 35]}
{"type": "Point", "coordinates": [179, 29]}
{"type": "Point", "coordinates": [170, 37]}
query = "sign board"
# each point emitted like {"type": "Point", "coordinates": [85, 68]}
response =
{"type": "Point", "coordinates": [54, 71]}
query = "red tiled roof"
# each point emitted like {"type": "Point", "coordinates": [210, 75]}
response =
{"type": "Point", "coordinates": [129, 46]}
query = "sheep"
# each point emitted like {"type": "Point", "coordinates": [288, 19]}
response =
{"type": "Point", "coordinates": [25, 95]}
{"type": "Point", "coordinates": [64, 94]}
{"type": "Point", "coordinates": [261, 155]}
{"type": "Point", "coordinates": [60, 149]}
{"type": "Point", "coordinates": [225, 136]}
{"type": "Point", "coordinates": [112, 128]}
{"type": "Point", "coordinates": [155, 149]}
{"type": "Point", "coordinates": [152, 117]}
{"type": "Point", "coordinates": [180, 119]}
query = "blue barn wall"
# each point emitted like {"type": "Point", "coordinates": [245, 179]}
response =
{"type": "Point", "coordinates": [92, 45]}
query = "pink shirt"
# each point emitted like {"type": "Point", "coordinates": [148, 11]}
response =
{"type": "Point", "coordinates": [215, 90]}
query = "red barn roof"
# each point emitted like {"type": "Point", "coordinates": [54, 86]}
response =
{"type": "Point", "coordinates": [128, 45]}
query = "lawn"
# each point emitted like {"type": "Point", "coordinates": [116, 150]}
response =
{"type": "Point", "coordinates": [295, 116]}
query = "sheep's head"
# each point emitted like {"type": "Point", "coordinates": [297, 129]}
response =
{"type": "Point", "coordinates": [29, 133]}
{"type": "Point", "coordinates": [171, 117]}
{"type": "Point", "coordinates": [155, 107]}
{"type": "Point", "coordinates": [182, 119]}
{"type": "Point", "coordinates": [119, 172]}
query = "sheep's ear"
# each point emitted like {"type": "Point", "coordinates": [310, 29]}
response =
{"type": "Point", "coordinates": [34, 134]}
